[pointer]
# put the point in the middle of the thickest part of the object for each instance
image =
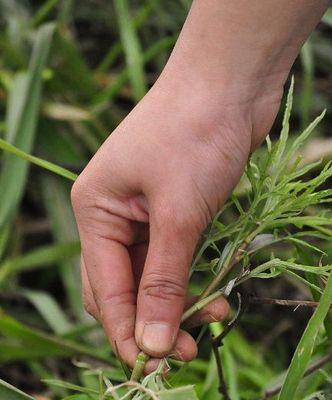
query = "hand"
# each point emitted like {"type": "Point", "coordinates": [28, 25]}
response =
{"type": "Point", "coordinates": [141, 205]}
{"type": "Point", "coordinates": [145, 197]}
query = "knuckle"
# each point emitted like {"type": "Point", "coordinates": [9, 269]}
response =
{"type": "Point", "coordinates": [77, 193]}
{"type": "Point", "coordinates": [164, 288]}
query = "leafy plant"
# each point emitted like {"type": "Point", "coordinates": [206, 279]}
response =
{"type": "Point", "coordinates": [279, 203]}
{"type": "Point", "coordinates": [79, 92]}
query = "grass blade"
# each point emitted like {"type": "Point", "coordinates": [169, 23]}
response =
{"type": "Point", "coordinates": [57, 203]}
{"type": "Point", "coordinates": [56, 169]}
{"type": "Point", "coordinates": [112, 90]}
{"type": "Point", "coordinates": [14, 170]}
{"type": "Point", "coordinates": [181, 393]}
{"type": "Point", "coordinates": [9, 392]}
{"type": "Point", "coordinates": [24, 343]}
{"type": "Point", "coordinates": [132, 48]}
{"type": "Point", "coordinates": [70, 386]}
{"type": "Point", "coordinates": [306, 345]}
{"type": "Point", "coordinates": [50, 310]}
{"type": "Point", "coordinates": [43, 12]}
{"type": "Point", "coordinates": [38, 258]}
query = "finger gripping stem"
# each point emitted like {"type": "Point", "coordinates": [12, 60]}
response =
{"type": "Point", "coordinates": [140, 363]}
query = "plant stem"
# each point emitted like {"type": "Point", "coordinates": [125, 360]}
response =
{"type": "Point", "coordinates": [222, 384]}
{"type": "Point", "coordinates": [217, 341]}
{"type": "Point", "coordinates": [242, 307]}
{"type": "Point", "coordinates": [140, 363]}
{"type": "Point", "coordinates": [200, 304]}
{"type": "Point", "coordinates": [229, 264]}
{"type": "Point", "coordinates": [284, 302]}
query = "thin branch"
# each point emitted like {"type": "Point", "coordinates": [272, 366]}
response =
{"type": "Point", "coordinates": [316, 365]}
{"type": "Point", "coordinates": [242, 307]}
{"type": "Point", "coordinates": [217, 342]}
{"type": "Point", "coordinates": [230, 263]}
{"type": "Point", "coordinates": [222, 384]}
{"type": "Point", "coordinates": [283, 302]}
{"type": "Point", "coordinates": [233, 260]}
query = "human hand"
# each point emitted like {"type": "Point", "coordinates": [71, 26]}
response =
{"type": "Point", "coordinates": [145, 197]}
{"type": "Point", "coordinates": [142, 203]}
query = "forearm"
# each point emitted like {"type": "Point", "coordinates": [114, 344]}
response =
{"type": "Point", "coordinates": [238, 52]}
{"type": "Point", "coordinates": [244, 40]}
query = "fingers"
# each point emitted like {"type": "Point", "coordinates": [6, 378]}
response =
{"type": "Point", "coordinates": [185, 347]}
{"type": "Point", "coordinates": [215, 311]}
{"type": "Point", "coordinates": [107, 267]}
{"type": "Point", "coordinates": [110, 265]}
{"type": "Point", "coordinates": [109, 272]}
{"type": "Point", "coordinates": [163, 286]}
{"type": "Point", "coordinates": [138, 254]}
{"type": "Point", "coordinates": [89, 302]}
{"type": "Point", "coordinates": [185, 350]}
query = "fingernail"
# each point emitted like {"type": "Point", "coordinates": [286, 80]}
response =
{"type": "Point", "coordinates": [158, 338]}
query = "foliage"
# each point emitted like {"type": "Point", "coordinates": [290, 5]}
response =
{"type": "Point", "coordinates": [274, 232]}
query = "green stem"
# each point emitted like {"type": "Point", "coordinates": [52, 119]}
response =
{"type": "Point", "coordinates": [140, 363]}
{"type": "Point", "coordinates": [229, 264]}
{"type": "Point", "coordinates": [200, 305]}
{"type": "Point", "coordinates": [143, 358]}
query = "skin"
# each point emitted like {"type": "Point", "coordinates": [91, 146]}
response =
{"type": "Point", "coordinates": [144, 199]}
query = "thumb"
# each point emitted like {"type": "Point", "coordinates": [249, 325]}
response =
{"type": "Point", "coordinates": [163, 286]}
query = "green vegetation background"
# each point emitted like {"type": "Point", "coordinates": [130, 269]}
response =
{"type": "Point", "coordinates": [69, 73]}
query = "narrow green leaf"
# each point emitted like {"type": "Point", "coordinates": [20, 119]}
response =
{"type": "Point", "coordinates": [108, 94]}
{"type": "Point", "coordinates": [285, 122]}
{"type": "Point", "coordinates": [26, 107]}
{"type": "Point", "coordinates": [43, 12]}
{"type": "Point", "coordinates": [132, 48]}
{"type": "Point", "coordinates": [307, 61]}
{"type": "Point", "coordinates": [56, 169]}
{"type": "Point", "coordinates": [24, 343]}
{"type": "Point", "coordinates": [327, 17]}
{"type": "Point", "coordinates": [181, 393]}
{"type": "Point", "coordinates": [306, 345]}
{"type": "Point", "coordinates": [49, 310]}
{"type": "Point", "coordinates": [70, 386]}
{"type": "Point", "coordinates": [303, 137]}
{"type": "Point", "coordinates": [9, 392]}
{"type": "Point", "coordinates": [59, 210]}
{"type": "Point", "coordinates": [305, 244]}
{"type": "Point", "coordinates": [4, 236]}
{"type": "Point", "coordinates": [117, 48]}
{"type": "Point", "coordinates": [38, 258]}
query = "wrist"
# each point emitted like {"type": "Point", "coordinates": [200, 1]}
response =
{"type": "Point", "coordinates": [243, 42]}
{"type": "Point", "coordinates": [234, 57]}
{"type": "Point", "coordinates": [248, 106]}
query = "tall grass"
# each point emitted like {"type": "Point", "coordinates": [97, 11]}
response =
{"type": "Point", "coordinates": [61, 92]}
